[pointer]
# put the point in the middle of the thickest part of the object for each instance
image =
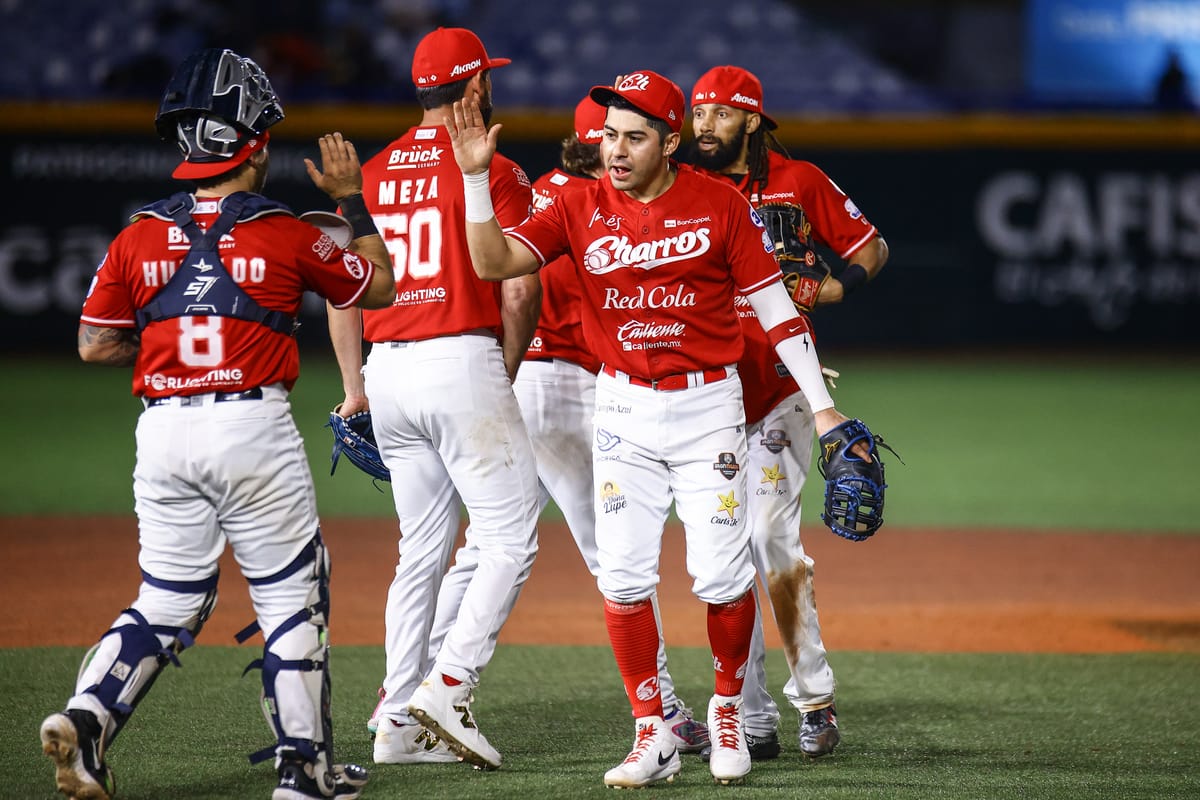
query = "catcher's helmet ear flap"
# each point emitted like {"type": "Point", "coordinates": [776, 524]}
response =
{"type": "Point", "coordinates": [218, 84]}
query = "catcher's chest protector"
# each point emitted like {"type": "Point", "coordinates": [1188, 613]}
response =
{"type": "Point", "coordinates": [202, 286]}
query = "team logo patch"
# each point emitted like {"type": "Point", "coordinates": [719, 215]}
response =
{"type": "Point", "coordinates": [635, 82]}
{"type": "Point", "coordinates": [775, 441]}
{"type": "Point", "coordinates": [647, 689]}
{"type": "Point", "coordinates": [727, 465]}
{"type": "Point", "coordinates": [611, 498]}
{"type": "Point", "coordinates": [852, 209]}
{"type": "Point", "coordinates": [354, 265]}
{"type": "Point", "coordinates": [772, 475]}
{"type": "Point", "coordinates": [728, 504]}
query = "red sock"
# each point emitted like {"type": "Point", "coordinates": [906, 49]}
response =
{"type": "Point", "coordinates": [633, 632]}
{"type": "Point", "coordinates": [730, 626]}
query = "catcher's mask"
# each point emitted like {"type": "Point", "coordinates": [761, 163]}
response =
{"type": "Point", "coordinates": [217, 108]}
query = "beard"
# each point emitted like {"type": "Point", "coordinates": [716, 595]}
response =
{"type": "Point", "coordinates": [725, 153]}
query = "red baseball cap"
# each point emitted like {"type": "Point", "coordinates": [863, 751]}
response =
{"type": "Point", "coordinates": [649, 92]}
{"type": "Point", "coordinates": [734, 87]}
{"type": "Point", "coordinates": [446, 55]}
{"type": "Point", "coordinates": [589, 121]}
{"type": "Point", "coordinates": [215, 164]}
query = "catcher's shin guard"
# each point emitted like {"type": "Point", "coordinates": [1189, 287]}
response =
{"type": "Point", "coordinates": [120, 669]}
{"type": "Point", "coordinates": [295, 667]}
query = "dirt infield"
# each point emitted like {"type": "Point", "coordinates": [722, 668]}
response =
{"type": "Point", "coordinates": [904, 590]}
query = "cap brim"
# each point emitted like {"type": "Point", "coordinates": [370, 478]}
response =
{"type": "Point", "coordinates": [498, 62]}
{"type": "Point", "coordinates": [190, 170]}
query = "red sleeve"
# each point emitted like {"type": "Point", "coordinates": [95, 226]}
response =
{"type": "Point", "coordinates": [108, 303]}
{"type": "Point", "coordinates": [340, 275]}
{"type": "Point", "coordinates": [512, 194]}
{"type": "Point", "coordinates": [836, 221]}
{"type": "Point", "coordinates": [751, 251]}
{"type": "Point", "coordinates": [546, 232]}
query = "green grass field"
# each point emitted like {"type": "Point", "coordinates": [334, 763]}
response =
{"type": "Point", "coordinates": [997, 442]}
{"type": "Point", "coordinates": [1048, 443]}
{"type": "Point", "coordinates": [916, 727]}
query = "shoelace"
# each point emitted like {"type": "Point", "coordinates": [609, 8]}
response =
{"type": "Point", "coordinates": [645, 738]}
{"type": "Point", "coordinates": [727, 726]}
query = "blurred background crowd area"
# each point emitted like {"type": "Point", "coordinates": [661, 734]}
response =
{"type": "Point", "coordinates": [853, 56]}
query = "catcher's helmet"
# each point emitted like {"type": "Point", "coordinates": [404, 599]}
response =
{"type": "Point", "coordinates": [217, 108]}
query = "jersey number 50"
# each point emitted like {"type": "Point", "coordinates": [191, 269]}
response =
{"type": "Point", "coordinates": [414, 242]}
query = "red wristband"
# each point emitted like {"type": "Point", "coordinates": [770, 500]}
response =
{"type": "Point", "coordinates": [789, 328]}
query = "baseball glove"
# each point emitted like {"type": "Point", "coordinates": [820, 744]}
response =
{"type": "Point", "coordinates": [853, 487]}
{"type": "Point", "coordinates": [804, 271]}
{"type": "Point", "coordinates": [354, 437]}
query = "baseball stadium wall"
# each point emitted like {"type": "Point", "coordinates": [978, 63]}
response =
{"type": "Point", "coordinates": [1054, 232]}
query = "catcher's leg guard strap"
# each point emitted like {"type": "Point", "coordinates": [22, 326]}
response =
{"type": "Point", "coordinates": [118, 672]}
{"type": "Point", "coordinates": [295, 674]}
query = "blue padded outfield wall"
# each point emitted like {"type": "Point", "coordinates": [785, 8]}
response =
{"type": "Point", "coordinates": [1050, 234]}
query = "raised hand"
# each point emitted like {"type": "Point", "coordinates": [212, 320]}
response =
{"type": "Point", "coordinates": [341, 173]}
{"type": "Point", "coordinates": [474, 145]}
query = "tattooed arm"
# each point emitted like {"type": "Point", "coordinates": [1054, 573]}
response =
{"type": "Point", "coordinates": [114, 347]}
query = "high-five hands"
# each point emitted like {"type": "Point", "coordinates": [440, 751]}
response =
{"type": "Point", "coordinates": [474, 144]}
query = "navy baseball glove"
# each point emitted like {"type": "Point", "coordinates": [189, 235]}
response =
{"type": "Point", "coordinates": [853, 487]}
{"type": "Point", "coordinates": [354, 437]}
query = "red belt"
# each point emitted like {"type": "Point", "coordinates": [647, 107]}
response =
{"type": "Point", "coordinates": [672, 383]}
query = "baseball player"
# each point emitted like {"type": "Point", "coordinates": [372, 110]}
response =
{"type": "Point", "coordinates": [444, 413]}
{"type": "Point", "coordinates": [660, 251]}
{"type": "Point", "coordinates": [556, 387]}
{"type": "Point", "coordinates": [200, 295]}
{"type": "Point", "coordinates": [732, 133]}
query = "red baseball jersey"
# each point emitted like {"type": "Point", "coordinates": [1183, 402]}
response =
{"type": "Point", "coordinates": [560, 328]}
{"type": "Point", "coordinates": [274, 258]}
{"type": "Point", "coordinates": [658, 278]}
{"type": "Point", "coordinates": [414, 190]}
{"type": "Point", "coordinates": [836, 223]}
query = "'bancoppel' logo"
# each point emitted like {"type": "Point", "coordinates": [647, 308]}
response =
{"type": "Point", "coordinates": [675, 223]}
{"type": "Point", "coordinates": [614, 252]}
{"type": "Point", "coordinates": [638, 82]}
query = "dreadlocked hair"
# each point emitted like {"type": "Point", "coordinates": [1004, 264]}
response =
{"type": "Point", "coordinates": [579, 157]}
{"type": "Point", "coordinates": [757, 163]}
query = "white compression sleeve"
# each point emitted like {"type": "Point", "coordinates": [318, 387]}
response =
{"type": "Point", "coordinates": [477, 193]}
{"type": "Point", "coordinates": [799, 354]}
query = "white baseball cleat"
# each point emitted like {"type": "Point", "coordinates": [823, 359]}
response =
{"type": "Point", "coordinates": [74, 742]}
{"type": "Point", "coordinates": [654, 757]}
{"type": "Point", "coordinates": [446, 710]}
{"type": "Point", "coordinates": [411, 743]}
{"type": "Point", "coordinates": [730, 758]}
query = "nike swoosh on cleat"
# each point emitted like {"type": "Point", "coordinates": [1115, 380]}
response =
{"type": "Point", "coordinates": [663, 761]}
